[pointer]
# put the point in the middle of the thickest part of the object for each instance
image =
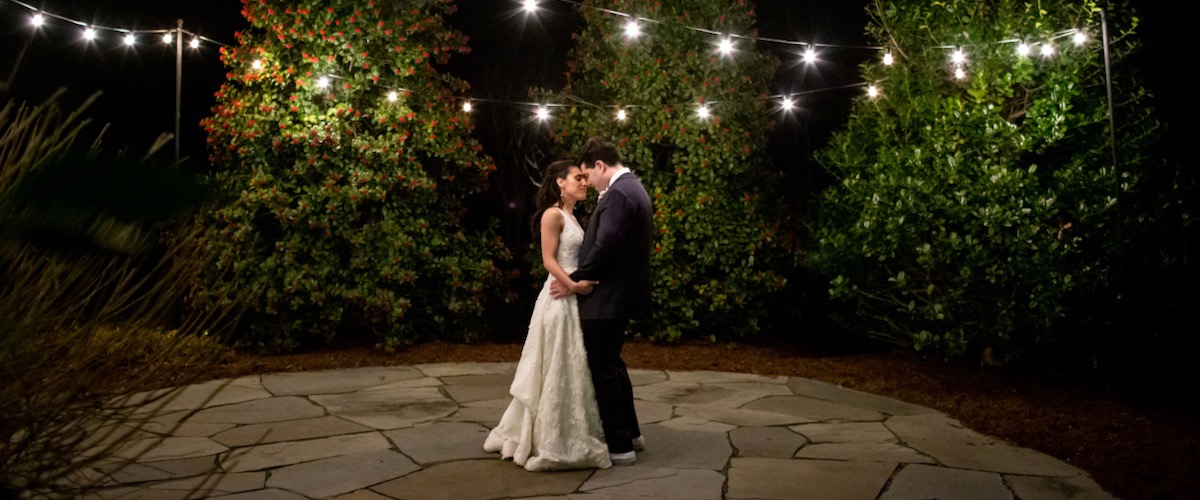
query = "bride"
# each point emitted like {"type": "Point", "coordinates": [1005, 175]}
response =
{"type": "Point", "coordinates": [553, 421]}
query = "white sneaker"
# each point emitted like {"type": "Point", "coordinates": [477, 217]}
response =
{"type": "Point", "coordinates": [639, 443]}
{"type": "Point", "coordinates": [627, 458]}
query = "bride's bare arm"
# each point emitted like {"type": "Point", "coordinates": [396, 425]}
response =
{"type": "Point", "coordinates": [552, 226]}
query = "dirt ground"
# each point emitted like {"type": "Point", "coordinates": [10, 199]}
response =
{"type": "Point", "coordinates": [1134, 449]}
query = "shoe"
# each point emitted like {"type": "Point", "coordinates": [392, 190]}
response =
{"type": "Point", "coordinates": [627, 458]}
{"type": "Point", "coordinates": [639, 443]}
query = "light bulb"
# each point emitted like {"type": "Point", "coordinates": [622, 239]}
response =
{"type": "Point", "coordinates": [257, 64]}
{"type": "Point", "coordinates": [89, 34]}
{"type": "Point", "coordinates": [725, 46]}
{"type": "Point", "coordinates": [788, 104]}
{"type": "Point", "coordinates": [959, 73]}
{"type": "Point", "coordinates": [1079, 38]}
{"type": "Point", "coordinates": [632, 30]}
{"type": "Point", "coordinates": [130, 39]}
{"type": "Point", "coordinates": [872, 91]}
{"type": "Point", "coordinates": [37, 20]}
{"type": "Point", "coordinates": [323, 82]}
{"type": "Point", "coordinates": [195, 43]}
{"type": "Point", "coordinates": [621, 115]}
{"type": "Point", "coordinates": [887, 59]}
{"type": "Point", "coordinates": [1023, 49]}
{"type": "Point", "coordinates": [1047, 50]}
{"type": "Point", "coordinates": [168, 38]}
{"type": "Point", "coordinates": [393, 96]}
{"type": "Point", "coordinates": [810, 55]}
{"type": "Point", "coordinates": [703, 112]}
{"type": "Point", "coordinates": [530, 5]}
{"type": "Point", "coordinates": [467, 107]}
{"type": "Point", "coordinates": [543, 113]}
{"type": "Point", "coordinates": [958, 57]}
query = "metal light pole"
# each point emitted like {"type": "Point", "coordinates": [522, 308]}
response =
{"type": "Point", "coordinates": [1112, 140]}
{"type": "Point", "coordinates": [178, 81]}
{"type": "Point", "coordinates": [1112, 121]}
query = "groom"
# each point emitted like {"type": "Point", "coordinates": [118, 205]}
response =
{"type": "Point", "coordinates": [616, 253]}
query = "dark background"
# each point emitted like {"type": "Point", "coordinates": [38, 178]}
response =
{"type": "Point", "coordinates": [511, 53]}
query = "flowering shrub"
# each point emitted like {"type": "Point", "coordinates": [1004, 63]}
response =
{"type": "Point", "coordinates": [973, 212]}
{"type": "Point", "coordinates": [346, 159]}
{"type": "Point", "coordinates": [719, 250]}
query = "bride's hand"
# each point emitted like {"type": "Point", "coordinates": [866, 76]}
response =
{"type": "Point", "coordinates": [558, 290]}
{"type": "Point", "coordinates": [584, 287]}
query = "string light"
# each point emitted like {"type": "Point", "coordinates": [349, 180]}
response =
{"type": "Point", "coordinates": [725, 46]}
{"type": "Point", "coordinates": [958, 57]}
{"type": "Point", "coordinates": [393, 96]}
{"type": "Point", "coordinates": [632, 30]}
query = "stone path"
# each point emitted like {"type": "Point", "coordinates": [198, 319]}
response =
{"type": "Point", "coordinates": [417, 433]}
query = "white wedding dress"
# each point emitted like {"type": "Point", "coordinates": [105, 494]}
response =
{"type": "Point", "coordinates": [553, 422]}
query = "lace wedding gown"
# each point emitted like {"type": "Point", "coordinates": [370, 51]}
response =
{"type": "Point", "coordinates": [553, 421]}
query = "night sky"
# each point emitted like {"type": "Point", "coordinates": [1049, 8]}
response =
{"type": "Point", "coordinates": [508, 56]}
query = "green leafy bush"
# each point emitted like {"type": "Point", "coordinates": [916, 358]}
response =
{"type": "Point", "coordinates": [719, 250]}
{"type": "Point", "coordinates": [979, 212]}
{"type": "Point", "coordinates": [347, 160]}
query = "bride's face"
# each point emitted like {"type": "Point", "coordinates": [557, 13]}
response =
{"type": "Point", "coordinates": [575, 186]}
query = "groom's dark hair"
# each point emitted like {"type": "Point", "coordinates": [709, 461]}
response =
{"type": "Point", "coordinates": [598, 149]}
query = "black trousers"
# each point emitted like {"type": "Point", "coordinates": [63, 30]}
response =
{"type": "Point", "coordinates": [603, 339]}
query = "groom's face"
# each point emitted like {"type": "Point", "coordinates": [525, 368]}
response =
{"type": "Point", "coordinates": [598, 175]}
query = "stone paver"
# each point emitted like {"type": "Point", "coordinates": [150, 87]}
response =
{"type": "Point", "coordinates": [684, 484]}
{"type": "Point", "coordinates": [916, 482]}
{"type": "Point", "coordinates": [766, 442]}
{"type": "Point", "coordinates": [480, 479]}
{"type": "Point", "coordinates": [441, 442]}
{"type": "Point", "coordinates": [344, 474]}
{"type": "Point", "coordinates": [952, 445]}
{"type": "Point", "coordinates": [336, 381]}
{"type": "Point", "coordinates": [294, 430]}
{"type": "Point", "coordinates": [417, 432]}
{"type": "Point", "coordinates": [259, 411]}
{"type": "Point", "coordinates": [293, 452]}
{"type": "Point", "coordinates": [767, 478]}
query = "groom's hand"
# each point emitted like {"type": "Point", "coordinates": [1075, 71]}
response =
{"type": "Point", "coordinates": [584, 287]}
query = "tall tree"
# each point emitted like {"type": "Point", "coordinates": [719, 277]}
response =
{"type": "Point", "coordinates": [719, 250]}
{"type": "Point", "coordinates": [347, 158]}
{"type": "Point", "coordinates": [977, 198]}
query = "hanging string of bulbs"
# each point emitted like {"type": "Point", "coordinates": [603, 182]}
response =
{"type": "Point", "coordinates": [634, 27]}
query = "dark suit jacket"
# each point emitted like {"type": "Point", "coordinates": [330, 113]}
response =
{"type": "Point", "coordinates": [616, 252]}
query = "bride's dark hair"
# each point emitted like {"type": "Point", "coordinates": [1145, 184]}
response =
{"type": "Point", "coordinates": [549, 194]}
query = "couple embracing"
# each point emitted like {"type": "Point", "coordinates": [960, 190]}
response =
{"type": "Point", "coordinates": [572, 404]}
